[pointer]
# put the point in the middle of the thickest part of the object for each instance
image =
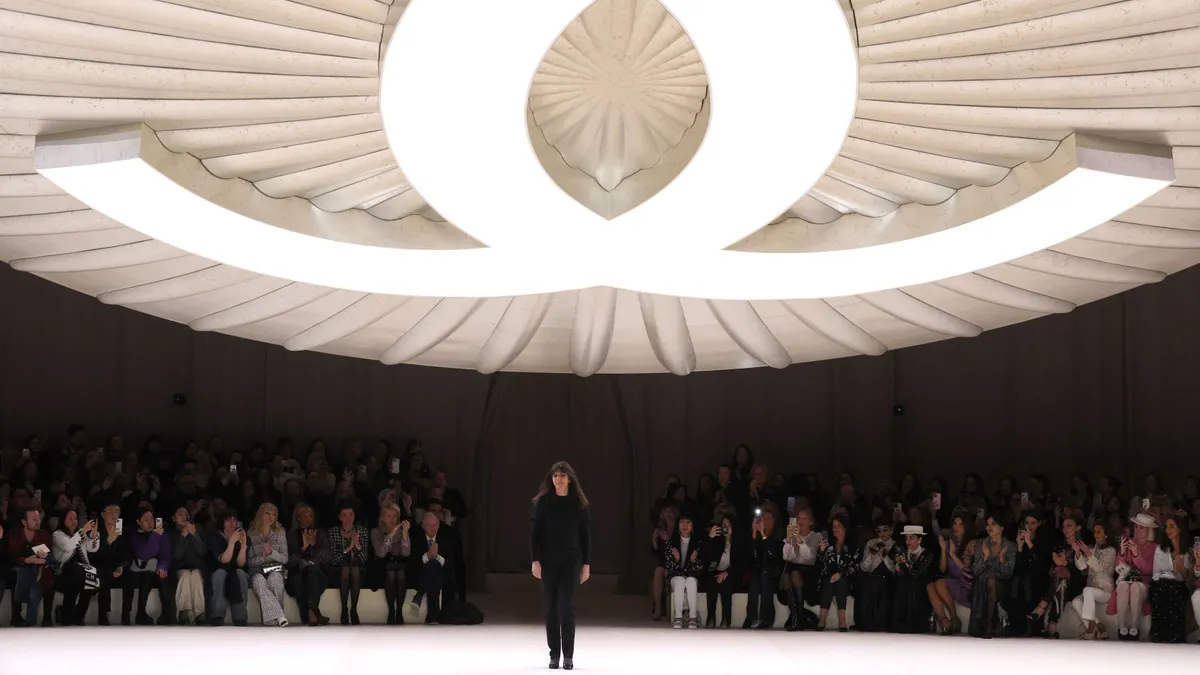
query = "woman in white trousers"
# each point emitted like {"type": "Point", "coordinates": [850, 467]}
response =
{"type": "Point", "coordinates": [1099, 563]}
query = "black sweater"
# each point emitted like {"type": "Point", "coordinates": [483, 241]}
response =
{"type": "Point", "coordinates": [561, 530]}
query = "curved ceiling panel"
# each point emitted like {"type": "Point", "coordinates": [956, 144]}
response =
{"type": "Point", "coordinates": [963, 105]}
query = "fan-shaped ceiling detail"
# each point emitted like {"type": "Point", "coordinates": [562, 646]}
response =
{"type": "Point", "coordinates": [963, 108]}
{"type": "Point", "coordinates": [619, 88]}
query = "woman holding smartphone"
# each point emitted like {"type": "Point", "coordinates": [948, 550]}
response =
{"type": "Point", "coordinates": [560, 544]}
{"type": "Point", "coordinates": [1135, 566]}
{"type": "Point", "coordinates": [766, 563]}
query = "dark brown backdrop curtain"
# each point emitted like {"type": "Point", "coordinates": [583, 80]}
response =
{"type": "Point", "coordinates": [1109, 388]}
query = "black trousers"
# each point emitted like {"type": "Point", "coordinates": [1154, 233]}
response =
{"type": "Point", "coordinates": [760, 600]}
{"type": "Point", "coordinates": [144, 582]}
{"type": "Point", "coordinates": [834, 591]}
{"type": "Point", "coordinates": [75, 598]}
{"type": "Point", "coordinates": [724, 591]}
{"type": "Point", "coordinates": [432, 582]}
{"type": "Point", "coordinates": [107, 583]}
{"type": "Point", "coordinates": [560, 581]}
{"type": "Point", "coordinates": [307, 584]}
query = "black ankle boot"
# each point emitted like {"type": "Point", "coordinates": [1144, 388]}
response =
{"type": "Point", "coordinates": [553, 662]}
{"type": "Point", "coordinates": [354, 617]}
{"type": "Point", "coordinates": [567, 664]}
{"type": "Point", "coordinates": [345, 616]}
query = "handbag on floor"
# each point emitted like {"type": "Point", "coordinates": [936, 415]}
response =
{"type": "Point", "coordinates": [459, 613]}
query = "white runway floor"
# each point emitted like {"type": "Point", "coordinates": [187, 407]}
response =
{"type": "Point", "coordinates": [520, 648]}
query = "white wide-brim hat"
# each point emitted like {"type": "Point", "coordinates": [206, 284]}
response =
{"type": "Point", "coordinates": [915, 530]}
{"type": "Point", "coordinates": [1145, 520]}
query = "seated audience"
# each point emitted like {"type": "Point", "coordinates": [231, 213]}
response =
{"type": "Point", "coordinates": [308, 554]}
{"type": "Point", "coordinates": [839, 561]}
{"type": "Point", "coordinates": [684, 566]}
{"type": "Point", "coordinates": [725, 563]}
{"type": "Point", "coordinates": [873, 605]}
{"type": "Point", "coordinates": [1030, 576]}
{"type": "Point", "coordinates": [150, 565]}
{"type": "Point", "coordinates": [1135, 567]}
{"type": "Point", "coordinates": [993, 560]}
{"type": "Point", "coordinates": [112, 559]}
{"type": "Point", "coordinates": [953, 585]}
{"type": "Point", "coordinates": [392, 548]}
{"type": "Point", "coordinates": [348, 545]}
{"type": "Point", "coordinates": [663, 531]}
{"type": "Point", "coordinates": [227, 549]}
{"type": "Point", "coordinates": [77, 580]}
{"type": "Point", "coordinates": [801, 578]}
{"type": "Point", "coordinates": [1099, 562]}
{"type": "Point", "coordinates": [188, 568]}
{"type": "Point", "coordinates": [766, 567]}
{"type": "Point", "coordinates": [28, 549]}
{"type": "Point", "coordinates": [1168, 588]}
{"type": "Point", "coordinates": [914, 564]}
{"type": "Point", "coordinates": [1065, 582]}
{"type": "Point", "coordinates": [268, 557]}
{"type": "Point", "coordinates": [430, 574]}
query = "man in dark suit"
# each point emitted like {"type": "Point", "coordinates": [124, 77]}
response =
{"type": "Point", "coordinates": [433, 557]}
{"type": "Point", "coordinates": [453, 536]}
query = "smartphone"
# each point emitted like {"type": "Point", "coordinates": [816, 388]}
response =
{"type": "Point", "coordinates": [791, 522]}
{"type": "Point", "coordinates": [724, 531]}
{"type": "Point", "coordinates": [1145, 504]}
{"type": "Point", "coordinates": [158, 523]}
{"type": "Point", "coordinates": [37, 495]}
{"type": "Point", "coordinates": [791, 505]}
{"type": "Point", "coordinates": [1024, 497]}
{"type": "Point", "coordinates": [898, 507]}
{"type": "Point", "coordinates": [979, 513]}
{"type": "Point", "coordinates": [362, 469]}
{"type": "Point", "coordinates": [117, 466]}
{"type": "Point", "coordinates": [233, 470]}
{"type": "Point", "coordinates": [24, 453]}
{"type": "Point", "coordinates": [120, 526]}
{"type": "Point", "coordinates": [394, 465]}
{"type": "Point", "coordinates": [240, 526]}
{"type": "Point", "coordinates": [1195, 542]}
{"type": "Point", "coordinates": [937, 501]}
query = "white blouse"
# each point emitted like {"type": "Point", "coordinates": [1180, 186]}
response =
{"type": "Point", "coordinates": [63, 545]}
{"type": "Point", "coordinates": [1164, 568]}
{"type": "Point", "coordinates": [804, 552]}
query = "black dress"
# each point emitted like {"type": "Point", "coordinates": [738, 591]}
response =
{"type": "Point", "coordinates": [911, 610]}
{"type": "Point", "coordinates": [876, 581]}
{"type": "Point", "coordinates": [1168, 606]}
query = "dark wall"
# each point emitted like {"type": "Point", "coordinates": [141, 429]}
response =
{"type": "Point", "coordinates": [1112, 387]}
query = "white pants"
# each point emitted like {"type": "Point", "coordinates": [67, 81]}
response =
{"type": "Point", "coordinates": [189, 593]}
{"type": "Point", "coordinates": [683, 592]}
{"type": "Point", "coordinates": [1085, 602]}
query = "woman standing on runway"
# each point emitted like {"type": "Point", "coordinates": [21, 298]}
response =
{"type": "Point", "coordinates": [560, 546]}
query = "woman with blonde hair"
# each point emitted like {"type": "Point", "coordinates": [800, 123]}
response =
{"type": "Point", "coordinates": [268, 556]}
{"type": "Point", "coordinates": [392, 549]}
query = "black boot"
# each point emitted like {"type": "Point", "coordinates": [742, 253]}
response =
{"type": "Point", "coordinates": [795, 620]}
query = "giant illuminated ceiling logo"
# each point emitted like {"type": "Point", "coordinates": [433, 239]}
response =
{"type": "Point", "coordinates": [454, 100]}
